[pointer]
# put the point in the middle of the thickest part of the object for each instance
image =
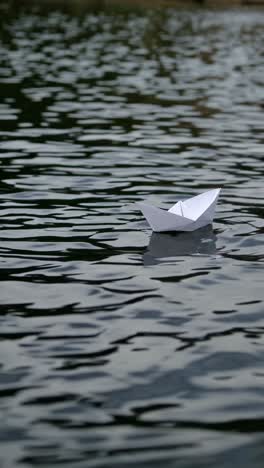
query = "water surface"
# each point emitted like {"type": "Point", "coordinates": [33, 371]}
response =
{"type": "Point", "coordinates": [120, 347]}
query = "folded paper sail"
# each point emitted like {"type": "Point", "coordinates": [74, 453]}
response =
{"type": "Point", "coordinates": [187, 215]}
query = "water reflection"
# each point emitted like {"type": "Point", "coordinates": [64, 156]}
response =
{"type": "Point", "coordinates": [202, 241]}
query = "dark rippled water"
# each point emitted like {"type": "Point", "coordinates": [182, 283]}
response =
{"type": "Point", "coordinates": [120, 347]}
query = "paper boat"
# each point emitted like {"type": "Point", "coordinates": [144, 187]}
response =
{"type": "Point", "coordinates": [187, 215]}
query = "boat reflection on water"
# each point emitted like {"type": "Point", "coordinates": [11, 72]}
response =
{"type": "Point", "coordinates": [202, 241]}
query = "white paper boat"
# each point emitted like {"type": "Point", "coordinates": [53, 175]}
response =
{"type": "Point", "coordinates": [187, 215]}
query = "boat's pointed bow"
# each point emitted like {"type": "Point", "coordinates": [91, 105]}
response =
{"type": "Point", "coordinates": [162, 220]}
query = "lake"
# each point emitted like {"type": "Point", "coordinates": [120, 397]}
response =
{"type": "Point", "coordinates": [121, 347]}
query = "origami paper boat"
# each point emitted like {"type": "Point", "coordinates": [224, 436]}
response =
{"type": "Point", "coordinates": [187, 215]}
